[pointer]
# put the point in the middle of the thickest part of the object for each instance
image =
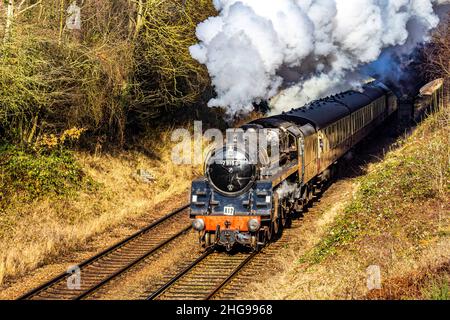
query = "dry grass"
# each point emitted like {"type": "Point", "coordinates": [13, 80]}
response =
{"type": "Point", "coordinates": [50, 227]}
{"type": "Point", "coordinates": [429, 284]}
{"type": "Point", "coordinates": [399, 220]}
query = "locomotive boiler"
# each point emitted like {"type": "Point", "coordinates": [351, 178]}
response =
{"type": "Point", "coordinates": [247, 198]}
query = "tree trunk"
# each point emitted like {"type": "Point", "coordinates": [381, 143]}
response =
{"type": "Point", "coordinates": [61, 20]}
{"type": "Point", "coordinates": [139, 18]}
{"type": "Point", "coordinates": [9, 20]}
{"type": "Point", "coordinates": [131, 11]}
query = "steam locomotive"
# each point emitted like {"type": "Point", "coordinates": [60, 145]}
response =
{"type": "Point", "coordinates": [240, 201]}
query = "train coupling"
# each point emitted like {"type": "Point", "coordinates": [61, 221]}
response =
{"type": "Point", "coordinates": [229, 238]}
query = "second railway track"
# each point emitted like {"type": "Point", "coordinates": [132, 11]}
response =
{"type": "Point", "coordinates": [204, 278]}
{"type": "Point", "coordinates": [116, 260]}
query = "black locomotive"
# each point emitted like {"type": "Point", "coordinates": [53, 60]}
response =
{"type": "Point", "coordinates": [246, 202]}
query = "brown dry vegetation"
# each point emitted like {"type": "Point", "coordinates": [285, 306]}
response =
{"type": "Point", "coordinates": [111, 80]}
{"type": "Point", "coordinates": [437, 53]}
{"type": "Point", "coordinates": [428, 283]}
{"type": "Point", "coordinates": [128, 65]}
{"type": "Point", "coordinates": [42, 229]}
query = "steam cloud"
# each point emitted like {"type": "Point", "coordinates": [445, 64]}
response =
{"type": "Point", "coordinates": [310, 48]}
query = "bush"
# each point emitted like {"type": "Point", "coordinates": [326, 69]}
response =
{"type": "Point", "coordinates": [26, 174]}
{"type": "Point", "coordinates": [168, 77]}
{"type": "Point", "coordinates": [125, 67]}
{"type": "Point", "coordinates": [46, 87]}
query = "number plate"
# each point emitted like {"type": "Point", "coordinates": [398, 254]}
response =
{"type": "Point", "coordinates": [228, 211]}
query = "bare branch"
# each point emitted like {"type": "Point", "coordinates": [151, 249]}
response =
{"type": "Point", "coordinates": [28, 8]}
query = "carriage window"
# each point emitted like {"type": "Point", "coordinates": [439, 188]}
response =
{"type": "Point", "coordinates": [331, 136]}
{"type": "Point", "coordinates": [340, 133]}
{"type": "Point", "coordinates": [364, 116]}
{"type": "Point", "coordinates": [332, 131]}
{"type": "Point", "coordinates": [292, 143]}
{"type": "Point", "coordinates": [292, 147]}
{"type": "Point", "coordinates": [349, 128]}
{"type": "Point", "coordinates": [367, 115]}
{"type": "Point", "coordinates": [334, 134]}
{"type": "Point", "coordinates": [360, 119]}
{"type": "Point", "coordinates": [346, 122]}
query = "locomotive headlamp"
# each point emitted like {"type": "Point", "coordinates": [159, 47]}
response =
{"type": "Point", "coordinates": [198, 224]}
{"type": "Point", "coordinates": [253, 225]}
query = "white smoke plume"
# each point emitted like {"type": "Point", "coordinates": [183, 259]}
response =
{"type": "Point", "coordinates": [311, 48]}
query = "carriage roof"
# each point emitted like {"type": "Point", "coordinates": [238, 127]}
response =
{"type": "Point", "coordinates": [322, 113]}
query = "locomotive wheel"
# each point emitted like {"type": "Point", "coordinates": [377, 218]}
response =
{"type": "Point", "coordinates": [262, 238]}
{"type": "Point", "coordinates": [268, 232]}
{"type": "Point", "coordinates": [287, 222]}
{"type": "Point", "coordinates": [275, 227]}
{"type": "Point", "coordinates": [285, 218]}
{"type": "Point", "coordinates": [277, 222]}
{"type": "Point", "coordinates": [310, 195]}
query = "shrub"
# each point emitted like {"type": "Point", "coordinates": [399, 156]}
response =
{"type": "Point", "coordinates": [26, 174]}
{"type": "Point", "coordinates": [168, 77]}
{"type": "Point", "coordinates": [131, 57]}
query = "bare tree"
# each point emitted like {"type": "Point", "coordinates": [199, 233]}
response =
{"type": "Point", "coordinates": [13, 11]}
{"type": "Point", "coordinates": [437, 53]}
{"type": "Point", "coordinates": [9, 19]}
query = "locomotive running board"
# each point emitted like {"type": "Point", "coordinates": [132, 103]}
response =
{"type": "Point", "coordinates": [285, 173]}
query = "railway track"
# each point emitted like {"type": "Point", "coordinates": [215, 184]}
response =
{"type": "Point", "coordinates": [204, 278]}
{"type": "Point", "coordinates": [108, 265]}
{"type": "Point", "coordinates": [218, 275]}
{"type": "Point", "coordinates": [213, 275]}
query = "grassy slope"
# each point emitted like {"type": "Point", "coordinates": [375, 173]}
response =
{"type": "Point", "coordinates": [401, 213]}
{"type": "Point", "coordinates": [405, 196]}
{"type": "Point", "coordinates": [34, 232]}
{"type": "Point", "coordinates": [399, 219]}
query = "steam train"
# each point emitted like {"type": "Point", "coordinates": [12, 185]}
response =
{"type": "Point", "coordinates": [240, 202]}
